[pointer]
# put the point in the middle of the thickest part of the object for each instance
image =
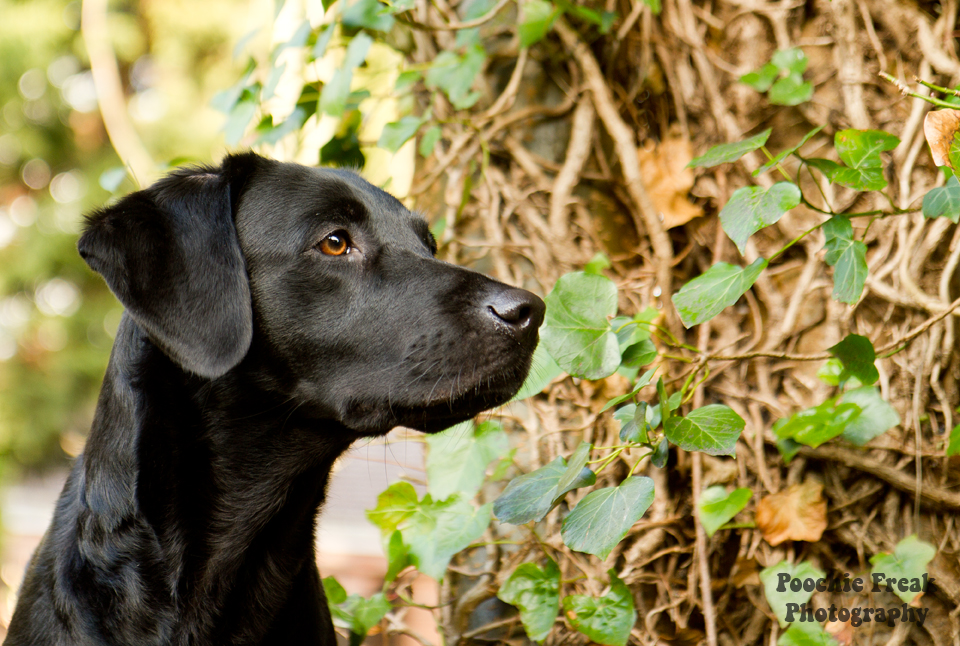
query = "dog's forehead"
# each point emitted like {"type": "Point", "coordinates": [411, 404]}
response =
{"type": "Point", "coordinates": [290, 199]}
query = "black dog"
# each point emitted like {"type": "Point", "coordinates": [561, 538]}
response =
{"type": "Point", "coordinates": [275, 314]}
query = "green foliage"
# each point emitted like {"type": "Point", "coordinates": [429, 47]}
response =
{"type": "Point", "coordinates": [713, 291]}
{"type": "Point", "coordinates": [531, 496]}
{"type": "Point", "coordinates": [538, 17]}
{"type": "Point", "coordinates": [454, 74]}
{"type": "Point", "coordinates": [459, 456]}
{"type": "Point", "coordinates": [752, 208]}
{"type": "Point", "coordinates": [535, 591]}
{"type": "Point", "coordinates": [786, 153]}
{"type": "Point", "coordinates": [607, 619]}
{"type": "Point", "coordinates": [717, 507]}
{"type": "Point", "coordinates": [782, 78]}
{"type": "Point", "coordinates": [726, 153]}
{"type": "Point", "coordinates": [943, 201]}
{"type": "Point", "coordinates": [908, 561]}
{"type": "Point", "coordinates": [857, 356]}
{"type": "Point", "coordinates": [712, 429]}
{"type": "Point", "coordinates": [576, 331]}
{"type": "Point", "coordinates": [355, 613]}
{"type": "Point", "coordinates": [779, 594]}
{"type": "Point", "coordinates": [876, 415]}
{"type": "Point", "coordinates": [601, 520]}
{"type": "Point", "coordinates": [808, 633]}
{"type": "Point", "coordinates": [848, 257]}
{"type": "Point", "coordinates": [862, 167]}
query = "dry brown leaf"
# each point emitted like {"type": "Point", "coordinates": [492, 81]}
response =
{"type": "Point", "coordinates": [668, 180]}
{"type": "Point", "coordinates": [939, 127]}
{"type": "Point", "coordinates": [798, 513]}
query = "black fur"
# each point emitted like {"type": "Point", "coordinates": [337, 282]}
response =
{"type": "Point", "coordinates": [247, 362]}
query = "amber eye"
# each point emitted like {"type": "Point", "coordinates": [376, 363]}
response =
{"type": "Point", "coordinates": [335, 244]}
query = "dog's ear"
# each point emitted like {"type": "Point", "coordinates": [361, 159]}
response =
{"type": "Point", "coordinates": [170, 254]}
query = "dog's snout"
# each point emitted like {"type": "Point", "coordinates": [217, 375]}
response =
{"type": "Point", "coordinates": [518, 308]}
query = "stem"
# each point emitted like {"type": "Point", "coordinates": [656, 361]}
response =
{"type": "Point", "coordinates": [936, 88]}
{"type": "Point", "coordinates": [796, 240]}
{"type": "Point", "coordinates": [904, 90]}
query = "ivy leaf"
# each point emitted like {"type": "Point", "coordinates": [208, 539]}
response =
{"type": "Point", "coordinates": [857, 355]}
{"type": "Point", "coordinates": [876, 416]}
{"type": "Point", "coordinates": [639, 354]}
{"type": "Point", "coordinates": [604, 516]}
{"type": "Point", "coordinates": [597, 264]}
{"type": "Point", "coordinates": [458, 457]}
{"type": "Point", "coordinates": [644, 380]}
{"type": "Point", "coordinates": [394, 505]}
{"type": "Point", "coordinates": [368, 14]}
{"type": "Point", "coordinates": [860, 151]}
{"type": "Point", "coordinates": [543, 370]}
{"type": "Point", "coordinates": [712, 429]}
{"type": "Point", "coordinates": [660, 454]}
{"type": "Point", "coordinates": [761, 79]}
{"type": "Point", "coordinates": [397, 557]}
{"type": "Point", "coordinates": [538, 17]}
{"type": "Point", "coordinates": [752, 208]}
{"type": "Point", "coordinates": [454, 74]}
{"type": "Point", "coordinates": [576, 331]}
{"type": "Point", "coordinates": [713, 291]}
{"type": "Point", "coordinates": [655, 6]}
{"type": "Point", "coordinates": [848, 257]}
{"type": "Point", "coordinates": [790, 60]}
{"type": "Point", "coordinates": [397, 133]}
{"type": "Point", "coordinates": [529, 497]}
{"type": "Point", "coordinates": [953, 445]}
{"type": "Point", "coordinates": [627, 416]}
{"type": "Point", "coordinates": [333, 97]}
{"type": "Point", "coordinates": [908, 561]}
{"type": "Point", "coordinates": [790, 90]}
{"type": "Point", "coordinates": [802, 633]}
{"type": "Point", "coordinates": [333, 591]}
{"type": "Point", "coordinates": [576, 463]}
{"type": "Point", "coordinates": [814, 426]}
{"type": "Point", "coordinates": [359, 615]}
{"type": "Point", "coordinates": [786, 153]}
{"type": "Point", "coordinates": [605, 620]}
{"type": "Point", "coordinates": [535, 591]}
{"type": "Point", "coordinates": [239, 118]}
{"type": "Point", "coordinates": [441, 529]}
{"type": "Point", "coordinates": [779, 598]}
{"type": "Point", "coordinates": [429, 141]}
{"type": "Point", "coordinates": [725, 153]}
{"type": "Point", "coordinates": [943, 201]}
{"type": "Point", "coordinates": [717, 507]}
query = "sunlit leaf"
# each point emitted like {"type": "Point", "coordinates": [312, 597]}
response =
{"type": "Point", "coordinates": [537, 19]}
{"type": "Point", "coordinates": [717, 507]}
{"type": "Point", "coordinates": [576, 331]}
{"type": "Point", "coordinates": [713, 291]}
{"type": "Point", "coordinates": [458, 457]}
{"type": "Point", "coordinates": [397, 133]}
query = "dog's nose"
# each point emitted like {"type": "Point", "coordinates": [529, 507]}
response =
{"type": "Point", "coordinates": [518, 309]}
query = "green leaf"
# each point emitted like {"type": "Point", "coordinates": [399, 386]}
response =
{"type": "Point", "coordinates": [576, 331]}
{"type": "Point", "coordinates": [654, 5]}
{"type": "Point", "coordinates": [830, 373]}
{"type": "Point", "coordinates": [334, 591]}
{"type": "Point", "coordinates": [369, 14]}
{"type": "Point", "coordinates": [943, 201]}
{"type": "Point", "coordinates": [333, 97]}
{"type": "Point", "coordinates": [814, 426]}
{"type": "Point", "coordinates": [725, 153]}
{"type": "Point", "coordinates": [454, 74]}
{"type": "Point", "coordinates": [397, 133]}
{"type": "Point", "coordinates": [363, 614]}
{"type": "Point", "coordinates": [535, 591]}
{"type": "Point", "coordinates": [406, 80]}
{"type": "Point", "coordinates": [474, 9]}
{"type": "Point", "coordinates": [790, 60]}
{"type": "Point", "coordinates": [597, 264]}
{"type": "Point", "coordinates": [429, 140]}
{"type": "Point", "coordinates": [786, 153]}
{"type": "Point", "coordinates": [876, 416]}
{"type": "Point", "coordinates": [664, 408]}
{"type": "Point", "coordinates": [713, 291]}
{"type": "Point", "coordinates": [761, 79]}
{"type": "Point", "coordinates": [605, 620]}
{"type": "Point", "coordinates": [627, 416]}
{"type": "Point", "coordinates": [660, 454]}
{"type": "Point", "coordinates": [712, 429]}
{"type": "Point", "coordinates": [604, 516]}
{"type": "Point", "coordinates": [394, 505]}
{"type": "Point", "coordinates": [848, 257]}
{"type": "Point", "coordinates": [397, 557]}
{"type": "Point", "coordinates": [576, 463]}
{"type": "Point", "coordinates": [717, 507]}
{"type": "Point", "coordinates": [857, 355]}
{"type": "Point", "coordinates": [529, 497]}
{"type": "Point", "coordinates": [953, 446]}
{"type": "Point", "coordinates": [458, 457]}
{"type": "Point", "coordinates": [790, 90]}
{"type": "Point", "coordinates": [779, 598]}
{"type": "Point", "coordinates": [752, 208]}
{"type": "Point", "coordinates": [323, 41]}
{"type": "Point", "coordinates": [543, 370]}
{"type": "Point", "coordinates": [641, 382]}
{"type": "Point", "coordinates": [908, 561]}
{"type": "Point", "coordinates": [538, 17]}
{"type": "Point", "coordinates": [809, 633]}
{"type": "Point", "coordinates": [239, 119]}
{"type": "Point", "coordinates": [639, 354]}
{"type": "Point", "coordinates": [440, 529]}
{"type": "Point", "coordinates": [862, 148]}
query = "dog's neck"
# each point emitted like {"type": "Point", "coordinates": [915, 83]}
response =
{"type": "Point", "coordinates": [252, 507]}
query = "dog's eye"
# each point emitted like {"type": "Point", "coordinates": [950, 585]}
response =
{"type": "Point", "coordinates": [335, 244]}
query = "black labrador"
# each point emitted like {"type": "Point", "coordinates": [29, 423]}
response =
{"type": "Point", "coordinates": [275, 314]}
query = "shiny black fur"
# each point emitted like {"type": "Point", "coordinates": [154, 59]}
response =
{"type": "Point", "coordinates": [246, 363]}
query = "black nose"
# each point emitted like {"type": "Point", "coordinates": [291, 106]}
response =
{"type": "Point", "coordinates": [521, 311]}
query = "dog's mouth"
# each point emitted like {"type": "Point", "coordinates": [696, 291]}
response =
{"type": "Point", "coordinates": [447, 404]}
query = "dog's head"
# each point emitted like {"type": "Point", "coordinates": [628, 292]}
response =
{"type": "Point", "coordinates": [320, 281]}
